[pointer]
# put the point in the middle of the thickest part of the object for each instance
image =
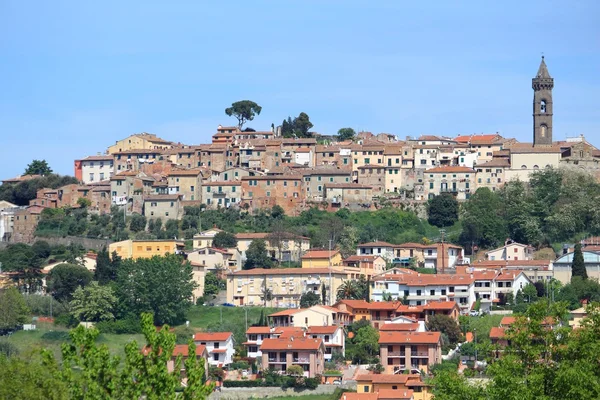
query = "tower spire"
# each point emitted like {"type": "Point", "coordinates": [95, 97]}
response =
{"type": "Point", "coordinates": [543, 70]}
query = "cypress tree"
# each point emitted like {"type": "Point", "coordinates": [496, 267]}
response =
{"type": "Point", "coordinates": [578, 266]}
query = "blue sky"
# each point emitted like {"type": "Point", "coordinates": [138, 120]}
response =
{"type": "Point", "coordinates": [76, 76]}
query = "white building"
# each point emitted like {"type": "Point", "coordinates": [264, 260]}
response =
{"type": "Point", "coordinates": [254, 338]}
{"type": "Point", "coordinates": [219, 346]}
{"type": "Point", "coordinates": [332, 336]}
{"type": "Point", "coordinates": [381, 249]}
{"type": "Point", "coordinates": [96, 169]}
{"type": "Point", "coordinates": [7, 219]}
{"type": "Point", "coordinates": [511, 251]}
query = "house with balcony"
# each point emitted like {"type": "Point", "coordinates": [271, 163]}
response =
{"type": "Point", "coordinates": [398, 386]}
{"type": "Point", "coordinates": [364, 265]}
{"type": "Point", "coordinates": [322, 259]}
{"type": "Point", "coordinates": [399, 351]}
{"type": "Point", "coordinates": [381, 249]}
{"type": "Point", "coordinates": [511, 251]}
{"type": "Point", "coordinates": [221, 194]}
{"type": "Point", "coordinates": [438, 256]}
{"type": "Point", "coordinates": [333, 338]}
{"type": "Point", "coordinates": [219, 346]}
{"type": "Point", "coordinates": [421, 289]}
{"type": "Point", "coordinates": [382, 312]}
{"type": "Point", "coordinates": [254, 339]}
{"type": "Point", "coordinates": [318, 315]}
{"type": "Point", "coordinates": [455, 180]}
{"type": "Point", "coordinates": [280, 354]}
{"type": "Point", "coordinates": [358, 309]}
{"type": "Point", "coordinates": [183, 351]}
{"type": "Point", "coordinates": [447, 308]}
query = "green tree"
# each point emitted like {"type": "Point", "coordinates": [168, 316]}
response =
{"type": "Point", "coordinates": [256, 255]}
{"type": "Point", "coordinates": [224, 240]}
{"type": "Point", "coordinates": [309, 299]}
{"type": "Point", "coordinates": [244, 110]}
{"type": "Point", "coordinates": [523, 226]}
{"type": "Point", "coordinates": [346, 134]}
{"type": "Point", "coordinates": [350, 290]}
{"type": "Point", "coordinates": [104, 272]}
{"type": "Point", "coordinates": [144, 374]}
{"type": "Point", "coordinates": [161, 285]}
{"type": "Point", "coordinates": [65, 278]}
{"type": "Point", "coordinates": [137, 223]}
{"type": "Point", "coordinates": [83, 202]}
{"type": "Point", "coordinates": [41, 249]}
{"type": "Point", "coordinates": [348, 241]}
{"type": "Point", "coordinates": [446, 325]}
{"type": "Point", "coordinates": [367, 339]}
{"type": "Point", "coordinates": [578, 265]}
{"type": "Point", "coordinates": [451, 386]}
{"type": "Point", "coordinates": [25, 379]}
{"type": "Point", "coordinates": [94, 303]}
{"type": "Point", "coordinates": [482, 220]}
{"type": "Point", "coordinates": [213, 284]}
{"type": "Point", "coordinates": [294, 370]}
{"type": "Point", "coordinates": [442, 210]}
{"type": "Point", "coordinates": [14, 310]}
{"type": "Point", "coordinates": [21, 193]}
{"type": "Point", "coordinates": [298, 127]}
{"type": "Point", "coordinates": [530, 293]}
{"type": "Point", "coordinates": [38, 167]}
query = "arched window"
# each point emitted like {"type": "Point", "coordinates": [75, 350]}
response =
{"type": "Point", "coordinates": [536, 167]}
{"type": "Point", "coordinates": [523, 166]}
{"type": "Point", "coordinates": [543, 129]}
{"type": "Point", "coordinates": [543, 106]}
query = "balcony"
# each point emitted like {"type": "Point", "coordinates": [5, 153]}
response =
{"type": "Point", "coordinates": [396, 354]}
{"type": "Point", "coordinates": [432, 255]}
{"type": "Point", "coordinates": [448, 190]}
{"type": "Point", "coordinates": [419, 354]}
{"type": "Point", "coordinates": [301, 360]}
{"type": "Point", "coordinates": [277, 360]}
{"type": "Point", "coordinates": [313, 281]}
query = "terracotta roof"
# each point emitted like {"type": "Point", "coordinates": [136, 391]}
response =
{"type": "Point", "coordinates": [98, 158]}
{"type": "Point", "coordinates": [508, 275]}
{"type": "Point", "coordinates": [212, 336]}
{"type": "Point", "coordinates": [287, 271]}
{"type": "Point", "coordinates": [289, 331]}
{"type": "Point", "coordinates": [530, 148]}
{"type": "Point", "coordinates": [258, 329]}
{"type": "Point", "coordinates": [182, 349]}
{"type": "Point", "coordinates": [318, 254]}
{"type": "Point", "coordinates": [384, 305]}
{"type": "Point", "coordinates": [184, 172]}
{"type": "Point", "coordinates": [384, 378]}
{"type": "Point", "coordinates": [322, 329]}
{"type": "Point", "coordinates": [449, 170]}
{"type": "Point", "coordinates": [292, 343]}
{"type": "Point", "coordinates": [402, 327]}
{"type": "Point", "coordinates": [376, 244]}
{"type": "Point", "coordinates": [409, 337]}
{"type": "Point", "coordinates": [347, 186]}
{"type": "Point", "coordinates": [479, 139]}
{"type": "Point", "coordinates": [495, 162]}
{"type": "Point", "coordinates": [391, 394]}
{"type": "Point", "coordinates": [290, 311]}
{"type": "Point", "coordinates": [355, 303]}
{"type": "Point", "coordinates": [410, 245]}
{"type": "Point", "coordinates": [440, 305]}
{"type": "Point", "coordinates": [497, 332]}
{"type": "Point", "coordinates": [162, 197]}
{"type": "Point", "coordinates": [218, 351]}
{"type": "Point", "coordinates": [408, 309]}
{"type": "Point", "coordinates": [140, 151]}
{"type": "Point", "coordinates": [359, 396]}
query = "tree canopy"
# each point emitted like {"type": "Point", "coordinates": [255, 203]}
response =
{"type": "Point", "coordinates": [442, 210]}
{"type": "Point", "coordinates": [256, 255]}
{"type": "Point", "coordinates": [14, 310]}
{"type": "Point", "coordinates": [578, 265]}
{"type": "Point", "coordinates": [22, 192]}
{"type": "Point", "coordinates": [93, 303]}
{"type": "Point", "coordinates": [38, 167]}
{"type": "Point", "coordinates": [309, 299]}
{"type": "Point", "coordinates": [224, 240]}
{"type": "Point", "coordinates": [298, 127]}
{"type": "Point", "coordinates": [161, 285]}
{"type": "Point", "coordinates": [346, 134]}
{"type": "Point", "coordinates": [243, 110]}
{"type": "Point", "coordinates": [65, 278]}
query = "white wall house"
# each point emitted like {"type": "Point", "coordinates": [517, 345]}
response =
{"type": "Point", "coordinates": [219, 346]}
{"type": "Point", "coordinates": [381, 249]}
{"type": "Point", "coordinates": [96, 169]}
{"type": "Point", "coordinates": [254, 338]}
{"type": "Point", "coordinates": [332, 336]}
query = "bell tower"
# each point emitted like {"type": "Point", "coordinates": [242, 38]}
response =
{"type": "Point", "coordinates": [542, 86]}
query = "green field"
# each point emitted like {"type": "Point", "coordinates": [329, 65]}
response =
{"type": "Point", "coordinates": [204, 317]}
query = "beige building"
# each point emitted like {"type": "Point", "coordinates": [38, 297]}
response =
{"type": "Point", "coordinates": [349, 195]}
{"type": "Point", "coordinates": [282, 246]}
{"type": "Point", "coordinates": [185, 182]}
{"type": "Point", "coordinates": [145, 248]}
{"type": "Point", "coordinates": [163, 206]}
{"type": "Point", "coordinates": [526, 159]}
{"type": "Point", "coordinates": [286, 285]}
{"type": "Point", "coordinates": [143, 140]}
{"type": "Point", "coordinates": [205, 238]}
{"type": "Point", "coordinates": [281, 353]}
{"type": "Point", "coordinates": [221, 194]}
{"type": "Point", "coordinates": [212, 259]}
{"type": "Point", "coordinates": [318, 315]}
{"type": "Point", "coordinates": [491, 174]}
{"type": "Point", "coordinates": [458, 181]}
{"type": "Point", "coordinates": [511, 251]}
{"type": "Point", "coordinates": [367, 265]}
{"type": "Point", "coordinates": [400, 351]}
{"type": "Point", "coordinates": [96, 169]}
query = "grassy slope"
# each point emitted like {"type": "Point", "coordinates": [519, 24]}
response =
{"type": "Point", "coordinates": [204, 317]}
{"type": "Point", "coordinates": [484, 324]}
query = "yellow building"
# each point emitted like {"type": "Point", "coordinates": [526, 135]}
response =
{"type": "Point", "coordinates": [145, 248]}
{"type": "Point", "coordinates": [322, 259]}
{"type": "Point", "coordinates": [286, 285]}
{"type": "Point", "coordinates": [376, 383]}
{"type": "Point", "coordinates": [140, 141]}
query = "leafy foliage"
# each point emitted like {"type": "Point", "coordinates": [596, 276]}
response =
{"type": "Point", "coordinates": [38, 167]}
{"type": "Point", "coordinates": [14, 309]}
{"type": "Point", "coordinates": [93, 303]}
{"type": "Point", "coordinates": [298, 127]}
{"type": "Point", "coordinates": [309, 299]}
{"type": "Point", "coordinates": [213, 284]}
{"type": "Point", "coordinates": [256, 255]}
{"type": "Point", "coordinates": [224, 240]}
{"type": "Point", "coordinates": [346, 134]}
{"type": "Point", "coordinates": [243, 110]}
{"type": "Point", "coordinates": [442, 210]}
{"type": "Point", "coordinates": [65, 278]}
{"type": "Point", "coordinates": [578, 266]}
{"type": "Point", "coordinates": [161, 285]}
{"type": "Point", "coordinates": [22, 192]}
{"type": "Point", "coordinates": [447, 326]}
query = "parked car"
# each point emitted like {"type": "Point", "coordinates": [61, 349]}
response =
{"type": "Point", "coordinates": [228, 305]}
{"type": "Point", "coordinates": [474, 313]}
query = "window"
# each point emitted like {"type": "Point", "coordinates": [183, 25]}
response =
{"type": "Point", "coordinates": [366, 389]}
{"type": "Point", "coordinates": [216, 346]}
{"type": "Point", "coordinates": [543, 107]}
{"type": "Point", "coordinates": [215, 356]}
{"type": "Point", "coordinates": [432, 292]}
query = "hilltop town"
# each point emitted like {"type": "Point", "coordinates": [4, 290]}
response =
{"type": "Point", "coordinates": [380, 267]}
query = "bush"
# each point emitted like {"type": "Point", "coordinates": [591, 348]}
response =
{"type": "Point", "coordinates": [256, 383]}
{"type": "Point", "coordinates": [8, 349]}
{"type": "Point", "coordinates": [66, 320]}
{"type": "Point", "coordinates": [129, 325]}
{"type": "Point", "coordinates": [184, 334]}
{"type": "Point", "coordinates": [239, 365]}
{"type": "Point", "coordinates": [311, 383]}
{"type": "Point", "coordinates": [40, 305]}
{"type": "Point", "coordinates": [62, 336]}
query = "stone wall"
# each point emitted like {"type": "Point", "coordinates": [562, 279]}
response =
{"type": "Point", "coordinates": [267, 392]}
{"type": "Point", "coordinates": [87, 243]}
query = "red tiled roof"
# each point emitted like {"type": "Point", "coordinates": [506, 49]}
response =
{"type": "Point", "coordinates": [182, 349]}
{"type": "Point", "coordinates": [290, 311]}
{"type": "Point", "coordinates": [384, 378]}
{"type": "Point", "coordinates": [359, 396]}
{"type": "Point", "coordinates": [497, 333]}
{"type": "Point", "coordinates": [355, 303]}
{"type": "Point", "coordinates": [391, 394]}
{"type": "Point", "coordinates": [403, 327]}
{"type": "Point", "coordinates": [218, 350]}
{"type": "Point", "coordinates": [312, 254]}
{"type": "Point", "coordinates": [258, 329]}
{"type": "Point", "coordinates": [287, 271]}
{"type": "Point", "coordinates": [384, 305]}
{"type": "Point", "coordinates": [292, 343]}
{"type": "Point", "coordinates": [322, 329]}
{"type": "Point", "coordinates": [212, 336]}
{"type": "Point", "coordinates": [440, 305]}
{"type": "Point", "coordinates": [409, 337]}
{"type": "Point", "coordinates": [407, 309]}
{"type": "Point", "coordinates": [376, 244]}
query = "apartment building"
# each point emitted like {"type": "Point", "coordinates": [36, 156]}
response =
{"type": "Point", "coordinates": [322, 259]}
{"type": "Point", "coordinates": [485, 145]}
{"type": "Point", "coordinates": [492, 174]}
{"type": "Point", "coordinates": [353, 196]}
{"type": "Point", "coordinates": [333, 338]}
{"type": "Point", "coordinates": [183, 351]}
{"type": "Point", "coordinates": [282, 246]}
{"type": "Point", "coordinates": [286, 191]}
{"type": "Point", "coordinates": [456, 180]}
{"type": "Point", "coordinates": [254, 339]}
{"type": "Point", "coordinates": [142, 140]}
{"type": "Point", "coordinates": [163, 206]}
{"type": "Point", "coordinates": [185, 182]}
{"type": "Point", "coordinates": [381, 249]}
{"type": "Point", "coordinates": [145, 248]}
{"type": "Point", "coordinates": [219, 346]}
{"type": "Point", "coordinates": [94, 169]}
{"type": "Point", "coordinates": [423, 288]}
{"type": "Point", "coordinates": [358, 309]}
{"type": "Point", "coordinates": [286, 285]}
{"type": "Point", "coordinates": [438, 256]}
{"type": "Point", "coordinates": [366, 265]}
{"type": "Point", "coordinates": [280, 354]}
{"type": "Point", "coordinates": [135, 159]}
{"type": "Point", "coordinates": [399, 351]}
{"type": "Point", "coordinates": [205, 238]}
{"type": "Point", "coordinates": [373, 176]}
{"type": "Point", "coordinates": [319, 315]}
{"type": "Point", "coordinates": [397, 386]}
{"type": "Point", "coordinates": [212, 259]}
{"type": "Point", "coordinates": [221, 194]}
{"type": "Point", "coordinates": [511, 251]}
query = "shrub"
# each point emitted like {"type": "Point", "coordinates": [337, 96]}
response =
{"type": "Point", "coordinates": [8, 349]}
{"type": "Point", "coordinates": [311, 383]}
{"type": "Point", "coordinates": [256, 383]}
{"type": "Point", "coordinates": [66, 320]}
{"type": "Point", "coordinates": [239, 365]}
{"type": "Point", "coordinates": [129, 325]}
{"type": "Point", "coordinates": [62, 336]}
{"type": "Point", "coordinates": [184, 334]}
{"type": "Point", "coordinates": [40, 305]}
